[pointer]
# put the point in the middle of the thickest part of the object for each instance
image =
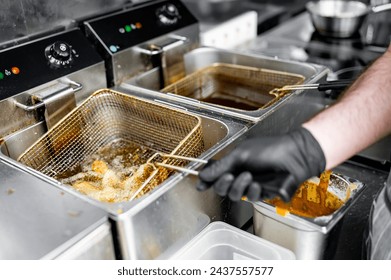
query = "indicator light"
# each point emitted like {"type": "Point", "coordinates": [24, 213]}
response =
{"type": "Point", "coordinates": [1, 76]}
{"type": "Point", "coordinates": [113, 48]}
{"type": "Point", "coordinates": [128, 28]}
{"type": "Point", "coordinates": [138, 25]}
{"type": "Point", "coordinates": [15, 70]}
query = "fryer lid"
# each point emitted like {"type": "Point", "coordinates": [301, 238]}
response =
{"type": "Point", "coordinates": [107, 116]}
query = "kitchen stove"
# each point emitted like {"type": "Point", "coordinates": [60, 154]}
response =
{"type": "Point", "coordinates": [296, 39]}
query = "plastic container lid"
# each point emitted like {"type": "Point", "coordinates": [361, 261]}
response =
{"type": "Point", "coordinates": [221, 241]}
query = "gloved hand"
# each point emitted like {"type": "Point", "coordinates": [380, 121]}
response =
{"type": "Point", "coordinates": [265, 167]}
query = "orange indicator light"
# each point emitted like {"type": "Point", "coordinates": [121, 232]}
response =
{"type": "Point", "coordinates": [15, 70]}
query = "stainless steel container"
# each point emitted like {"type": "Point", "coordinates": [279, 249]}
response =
{"type": "Point", "coordinates": [308, 238]}
{"type": "Point", "coordinates": [201, 58]}
{"type": "Point", "coordinates": [340, 19]}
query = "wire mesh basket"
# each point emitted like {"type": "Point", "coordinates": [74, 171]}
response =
{"type": "Point", "coordinates": [235, 86]}
{"type": "Point", "coordinates": [108, 117]}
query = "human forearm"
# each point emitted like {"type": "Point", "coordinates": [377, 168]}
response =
{"type": "Point", "coordinates": [360, 118]}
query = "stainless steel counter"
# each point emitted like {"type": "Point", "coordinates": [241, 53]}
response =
{"type": "Point", "coordinates": [39, 221]}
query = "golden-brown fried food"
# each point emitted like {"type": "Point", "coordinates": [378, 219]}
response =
{"type": "Point", "coordinates": [99, 167]}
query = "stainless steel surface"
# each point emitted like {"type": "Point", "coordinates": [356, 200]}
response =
{"type": "Point", "coordinates": [19, 141]}
{"type": "Point", "coordinates": [93, 78]}
{"type": "Point", "coordinates": [340, 19]}
{"type": "Point", "coordinates": [39, 220]}
{"type": "Point", "coordinates": [306, 237]}
{"type": "Point", "coordinates": [170, 54]}
{"type": "Point", "coordinates": [203, 57]}
{"type": "Point", "coordinates": [173, 212]}
{"type": "Point", "coordinates": [133, 61]}
{"type": "Point", "coordinates": [23, 19]}
{"type": "Point", "coordinates": [98, 245]}
{"type": "Point", "coordinates": [57, 100]}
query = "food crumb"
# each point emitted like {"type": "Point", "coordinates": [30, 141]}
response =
{"type": "Point", "coordinates": [10, 191]}
{"type": "Point", "coordinates": [120, 211]}
{"type": "Point", "coordinates": [73, 214]}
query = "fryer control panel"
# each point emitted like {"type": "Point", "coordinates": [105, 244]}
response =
{"type": "Point", "coordinates": [38, 62]}
{"type": "Point", "coordinates": [126, 29]}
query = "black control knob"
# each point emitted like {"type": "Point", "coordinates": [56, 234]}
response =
{"type": "Point", "coordinates": [168, 14]}
{"type": "Point", "coordinates": [59, 54]}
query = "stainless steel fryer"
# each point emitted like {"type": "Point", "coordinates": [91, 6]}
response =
{"type": "Point", "coordinates": [236, 86]}
{"type": "Point", "coordinates": [204, 57]}
{"type": "Point", "coordinates": [109, 116]}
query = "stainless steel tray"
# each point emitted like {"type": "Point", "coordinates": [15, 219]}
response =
{"type": "Point", "coordinates": [306, 237]}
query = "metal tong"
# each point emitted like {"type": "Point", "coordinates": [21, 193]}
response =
{"type": "Point", "coordinates": [182, 169]}
{"type": "Point", "coordinates": [178, 168]}
{"type": "Point", "coordinates": [338, 85]}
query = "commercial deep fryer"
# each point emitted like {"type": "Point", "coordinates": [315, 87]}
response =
{"type": "Point", "coordinates": [38, 219]}
{"type": "Point", "coordinates": [48, 87]}
{"type": "Point", "coordinates": [156, 51]}
{"type": "Point", "coordinates": [137, 62]}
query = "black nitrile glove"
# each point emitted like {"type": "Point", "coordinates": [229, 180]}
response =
{"type": "Point", "coordinates": [265, 167]}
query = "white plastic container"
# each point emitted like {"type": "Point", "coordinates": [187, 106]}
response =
{"type": "Point", "coordinates": [221, 241]}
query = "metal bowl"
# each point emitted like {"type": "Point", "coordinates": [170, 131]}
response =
{"type": "Point", "coordinates": [341, 19]}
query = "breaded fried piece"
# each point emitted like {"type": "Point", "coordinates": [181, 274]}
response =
{"type": "Point", "coordinates": [99, 167]}
{"type": "Point", "coordinates": [111, 180]}
{"type": "Point", "coordinates": [85, 187]}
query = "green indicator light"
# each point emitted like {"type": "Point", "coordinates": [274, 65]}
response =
{"type": "Point", "coordinates": [128, 28]}
{"type": "Point", "coordinates": [1, 75]}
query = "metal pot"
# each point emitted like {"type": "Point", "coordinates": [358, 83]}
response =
{"type": "Point", "coordinates": [340, 19]}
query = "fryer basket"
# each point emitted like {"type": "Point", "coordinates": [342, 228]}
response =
{"type": "Point", "coordinates": [107, 116]}
{"type": "Point", "coordinates": [236, 84]}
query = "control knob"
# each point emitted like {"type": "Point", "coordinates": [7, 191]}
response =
{"type": "Point", "coordinates": [168, 14]}
{"type": "Point", "coordinates": [59, 54]}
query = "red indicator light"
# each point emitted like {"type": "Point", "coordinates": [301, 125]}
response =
{"type": "Point", "coordinates": [15, 70]}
